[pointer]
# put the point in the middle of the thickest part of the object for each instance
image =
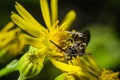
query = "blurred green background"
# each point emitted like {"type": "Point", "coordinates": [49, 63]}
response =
{"type": "Point", "coordinates": [101, 17]}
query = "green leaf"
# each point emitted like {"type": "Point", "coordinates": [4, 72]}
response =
{"type": "Point", "coordinates": [60, 77]}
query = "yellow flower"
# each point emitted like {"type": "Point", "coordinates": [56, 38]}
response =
{"type": "Point", "coordinates": [109, 75]}
{"type": "Point", "coordinates": [41, 36]}
{"type": "Point", "coordinates": [86, 68]}
{"type": "Point", "coordinates": [10, 46]}
{"type": "Point", "coordinates": [83, 68]}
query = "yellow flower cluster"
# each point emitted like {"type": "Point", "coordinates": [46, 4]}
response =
{"type": "Point", "coordinates": [10, 45]}
{"type": "Point", "coordinates": [39, 38]}
{"type": "Point", "coordinates": [79, 68]}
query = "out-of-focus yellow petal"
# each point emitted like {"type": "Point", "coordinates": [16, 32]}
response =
{"type": "Point", "coordinates": [109, 75]}
{"type": "Point", "coordinates": [67, 21]}
{"type": "Point", "coordinates": [27, 17]}
{"type": "Point", "coordinates": [6, 38]}
{"type": "Point", "coordinates": [45, 13]}
{"type": "Point", "coordinates": [8, 26]}
{"type": "Point", "coordinates": [54, 11]}
{"type": "Point", "coordinates": [27, 26]}
{"type": "Point", "coordinates": [93, 63]}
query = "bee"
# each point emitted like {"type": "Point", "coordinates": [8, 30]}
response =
{"type": "Point", "coordinates": [79, 42]}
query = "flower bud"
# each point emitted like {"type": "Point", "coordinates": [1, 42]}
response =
{"type": "Point", "coordinates": [30, 64]}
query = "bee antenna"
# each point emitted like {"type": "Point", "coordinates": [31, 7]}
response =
{"type": "Point", "coordinates": [58, 46]}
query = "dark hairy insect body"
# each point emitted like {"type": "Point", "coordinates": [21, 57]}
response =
{"type": "Point", "coordinates": [79, 41]}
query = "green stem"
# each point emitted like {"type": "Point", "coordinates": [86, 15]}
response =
{"type": "Point", "coordinates": [11, 67]}
{"type": "Point", "coordinates": [21, 77]}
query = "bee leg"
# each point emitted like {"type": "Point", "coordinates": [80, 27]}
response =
{"type": "Point", "coordinates": [88, 53]}
{"type": "Point", "coordinates": [71, 40]}
{"type": "Point", "coordinates": [81, 54]}
{"type": "Point", "coordinates": [67, 57]}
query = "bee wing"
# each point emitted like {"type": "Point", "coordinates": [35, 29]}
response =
{"type": "Point", "coordinates": [86, 36]}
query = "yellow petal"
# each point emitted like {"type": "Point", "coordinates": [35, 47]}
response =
{"type": "Point", "coordinates": [28, 27]}
{"type": "Point", "coordinates": [65, 67]}
{"type": "Point", "coordinates": [31, 40]}
{"type": "Point", "coordinates": [54, 11]}
{"type": "Point", "coordinates": [27, 16]}
{"type": "Point", "coordinates": [93, 63]}
{"type": "Point", "coordinates": [8, 26]}
{"type": "Point", "coordinates": [67, 21]}
{"type": "Point", "coordinates": [7, 38]}
{"type": "Point", "coordinates": [45, 13]}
